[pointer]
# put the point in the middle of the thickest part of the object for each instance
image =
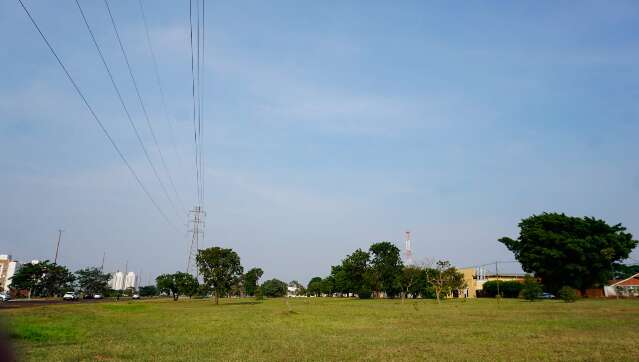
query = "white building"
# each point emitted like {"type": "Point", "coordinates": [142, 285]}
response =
{"type": "Point", "coordinates": [130, 280]}
{"type": "Point", "coordinates": [117, 281]}
{"type": "Point", "coordinates": [8, 268]}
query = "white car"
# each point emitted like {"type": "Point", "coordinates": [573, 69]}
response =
{"type": "Point", "coordinates": [4, 297]}
{"type": "Point", "coordinates": [136, 296]}
{"type": "Point", "coordinates": [70, 296]}
{"type": "Point", "coordinates": [98, 296]}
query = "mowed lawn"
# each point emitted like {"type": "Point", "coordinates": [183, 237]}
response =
{"type": "Point", "coordinates": [327, 329]}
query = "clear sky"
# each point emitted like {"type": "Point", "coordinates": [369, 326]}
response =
{"type": "Point", "coordinates": [328, 126]}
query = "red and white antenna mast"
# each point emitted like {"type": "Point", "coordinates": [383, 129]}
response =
{"type": "Point", "coordinates": [408, 250]}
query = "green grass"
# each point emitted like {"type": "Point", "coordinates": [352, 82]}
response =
{"type": "Point", "coordinates": [328, 329]}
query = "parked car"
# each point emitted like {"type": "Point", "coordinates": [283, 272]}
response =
{"type": "Point", "coordinates": [136, 296]}
{"type": "Point", "coordinates": [5, 297]}
{"type": "Point", "coordinates": [70, 296]}
{"type": "Point", "coordinates": [547, 296]}
{"type": "Point", "coordinates": [97, 296]}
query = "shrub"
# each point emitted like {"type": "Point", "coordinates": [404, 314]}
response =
{"type": "Point", "coordinates": [567, 294]}
{"type": "Point", "coordinates": [531, 288]}
{"type": "Point", "coordinates": [365, 293]}
{"type": "Point", "coordinates": [507, 289]}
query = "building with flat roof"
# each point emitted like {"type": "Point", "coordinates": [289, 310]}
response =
{"type": "Point", "coordinates": [8, 268]}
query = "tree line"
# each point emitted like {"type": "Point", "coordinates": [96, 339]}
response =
{"type": "Point", "coordinates": [380, 272]}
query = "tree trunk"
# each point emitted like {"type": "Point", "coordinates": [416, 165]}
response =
{"type": "Point", "coordinates": [217, 299]}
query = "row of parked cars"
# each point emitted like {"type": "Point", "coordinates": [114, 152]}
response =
{"type": "Point", "coordinates": [75, 296]}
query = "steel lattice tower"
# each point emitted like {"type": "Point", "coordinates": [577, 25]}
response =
{"type": "Point", "coordinates": [196, 219]}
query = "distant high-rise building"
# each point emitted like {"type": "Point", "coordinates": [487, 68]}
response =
{"type": "Point", "coordinates": [117, 281]}
{"type": "Point", "coordinates": [8, 267]}
{"type": "Point", "coordinates": [130, 280]}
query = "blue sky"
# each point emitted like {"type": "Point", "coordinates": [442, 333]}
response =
{"type": "Point", "coordinates": [328, 126]}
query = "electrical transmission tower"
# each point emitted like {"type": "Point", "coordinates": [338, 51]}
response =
{"type": "Point", "coordinates": [196, 218]}
{"type": "Point", "coordinates": [408, 250]}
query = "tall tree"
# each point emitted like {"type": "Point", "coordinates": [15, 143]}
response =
{"type": "Point", "coordinates": [166, 284]}
{"type": "Point", "coordinates": [327, 286]}
{"type": "Point", "coordinates": [220, 269]}
{"type": "Point", "coordinates": [92, 281]}
{"type": "Point", "coordinates": [569, 251]}
{"type": "Point", "coordinates": [355, 267]}
{"type": "Point", "coordinates": [314, 286]}
{"type": "Point", "coordinates": [387, 266]}
{"type": "Point", "coordinates": [28, 277]}
{"type": "Point", "coordinates": [43, 279]}
{"type": "Point", "coordinates": [251, 278]}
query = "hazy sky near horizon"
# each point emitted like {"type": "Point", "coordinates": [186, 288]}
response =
{"type": "Point", "coordinates": [328, 126]}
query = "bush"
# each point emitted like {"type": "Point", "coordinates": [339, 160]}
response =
{"type": "Point", "coordinates": [567, 294]}
{"type": "Point", "coordinates": [274, 288]}
{"type": "Point", "coordinates": [531, 289]}
{"type": "Point", "coordinates": [365, 293]}
{"type": "Point", "coordinates": [507, 289]}
{"type": "Point", "coordinates": [258, 293]}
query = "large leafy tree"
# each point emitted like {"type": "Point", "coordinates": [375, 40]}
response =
{"type": "Point", "coordinates": [314, 287]}
{"type": "Point", "coordinates": [386, 265]}
{"type": "Point", "coordinates": [569, 251]}
{"type": "Point", "coordinates": [274, 288]}
{"type": "Point", "coordinates": [220, 269]}
{"type": "Point", "coordinates": [92, 281]}
{"type": "Point", "coordinates": [251, 278]}
{"type": "Point", "coordinates": [186, 284]}
{"type": "Point", "coordinates": [43, 279]}
{"type": "Point", "coordinates": [166, 284]}
{"type": "Point", "coordinates": [327, 286]}
{"type": "Point", "coordinates": [355, 267]}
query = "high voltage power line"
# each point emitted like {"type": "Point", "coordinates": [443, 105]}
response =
{"type": "Point", "coordinates": [159, 82]}
{"type": "Point", "coordinates": [143, 107]}
{"type": "Point", "coordinates": [121, 99]}
{"type": "Point", "coordinates": [95, 116]}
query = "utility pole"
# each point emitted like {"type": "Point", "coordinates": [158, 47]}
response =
{"type": "Point", "coordinates": [497, 272]}
{"type": "Point", "coordinates": [102, 265]}
{"type": "Point", "coordinates": [57, 247]}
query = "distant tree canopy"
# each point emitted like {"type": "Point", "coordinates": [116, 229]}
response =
{"type": "Point", "coordinates": [314, 287]}
{"type": "Point", "coordinates": [569, 251]}
{"type": "Point", "coordinates": [220, 268]}
{"type": "Point", "coordinates": [274, 288]}
{"type": "Point", "coordinates": [623, 271]}
{"type": "Point", "coordinates": [445, 279]}
{"type": "Point", "coordinates": [186, 284]}
{"type": "Point", "coordinates": [92, 281]}
{"type": "Point", "coordinates": [251, 278]}
{"type": "Point", "coordinates": [43, 279]}
{"type": "Point", "coordinates": [507, 289]}
{"type": "Point", "coordinates": [148, 291]}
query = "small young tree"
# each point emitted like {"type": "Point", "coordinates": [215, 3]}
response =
{"type": "Point", "coordinates": [532, 289]}
{"type": "Point", "coordinates": [220, 269]}
{"type": "Point", "coordinates": [410, 277]}
{"type": "Point", "coordinates": [567, 294]}
{"type": "Point", "coordinates": [445, 279]}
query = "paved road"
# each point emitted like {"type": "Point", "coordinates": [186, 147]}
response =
{"type": "Point", "coordinates": [27, 303]}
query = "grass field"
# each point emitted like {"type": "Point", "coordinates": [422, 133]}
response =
{"type": "Point", "coordinates": [328, 329]}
